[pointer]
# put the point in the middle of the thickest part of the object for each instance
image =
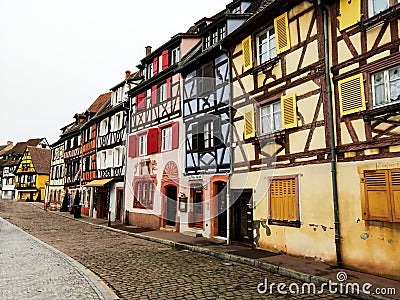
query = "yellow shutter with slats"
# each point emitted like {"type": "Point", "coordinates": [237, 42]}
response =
{"type": "Point", "coordinates": [289, 111]}
{"type": "Point", "coordinates": [377, 196]}
{"type": "Point", "coordinates": [395, 193]}
{"type": "Point", "coordinates": [249, 131]}
{"type": "Point", "coordinates": [283, 199]}
{"type": "Point", "coordinates": [281, 26]}
{"type": "Point", "coordinates": [350, 13]}
{"type": "Point", "coordinates": [351, 95]}
{"type": "Point", "coordinates": [247, 54]}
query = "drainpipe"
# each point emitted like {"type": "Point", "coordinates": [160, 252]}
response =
{"type": "Point", "coordinates": [127, 128]}
{"type": "Point", "coordinates": [231, 149]}
{"type": "Point", "coordinates": [332, 139]}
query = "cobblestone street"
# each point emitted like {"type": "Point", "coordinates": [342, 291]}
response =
{"type": "Point", "coordinates": [139, 269]}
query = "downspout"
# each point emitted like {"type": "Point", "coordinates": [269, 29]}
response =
{"type": "Point", "coordinates": [332, 138]}
{"type": "Point", "coordinates": [231, 149]}
{"type": "Point", "coordinates": [127, 127]}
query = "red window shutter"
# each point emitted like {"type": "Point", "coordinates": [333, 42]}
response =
{"type": "Point", "coordinates": [140, 101]}
{"type": "Point", "coordinates": [165, 61]}
{"type": "Point", "coordinates": [175, 135]}
{"type": "Point", "coordinates": [154, 95]}
{"type": "Point", "coordinates": [155, 65]}
{"type": "Point", "coordinates": [132, 146]}
{"type": "Point", "coordinates": [168, 85]}
{"type": "Point", "coordinates": [152, 141]}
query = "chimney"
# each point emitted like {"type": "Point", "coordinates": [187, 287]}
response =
{"type": "Point", "coordinates": [9, 143]}
{"type": "Point", "coordinates": [148, 50]}
{"type": "Point", "coordinates": [127, 74]}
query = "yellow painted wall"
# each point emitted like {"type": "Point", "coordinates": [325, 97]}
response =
{"type": "Point", "coordinates": [370, 246]}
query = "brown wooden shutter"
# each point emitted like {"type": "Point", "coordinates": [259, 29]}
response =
{"type": "Point", "coordinates": [289, 111]}
{"type": "Point", "coordinates": [281, 26]}
{"type": "Point", "coordinates": [377, 196]}
{"type": "Point", "coordinates": [249, 131]}
{"type": "Point", "coordinates": [247, 54]}
{"type": "Point", "coordinates": [152, 141]}
{"type": "Point", "coordinates": [395, 193]}
{"type": "Point", "coordinates": [351, 95]}
{"type": "Point", "coordinates": [132, 146]}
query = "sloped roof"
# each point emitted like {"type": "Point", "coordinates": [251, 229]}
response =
{"type": "Point", "coordinates": [99, 102]}
{"type": "Point", "coordinates": [41, 159]}
{"type": "Point", "coordinates": [20, 147]}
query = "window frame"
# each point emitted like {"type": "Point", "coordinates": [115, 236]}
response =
{"type": "Point", "coordinates": [142, 144]}
{"type": "Point", "coordinates": [144, 193]}
{"type": "Point", "coordinates": [166, 144]}
{"type": "Point", "coordinates": [175, 55]}
{"type": "Point", "coordinates": [371, 11]}
{"type": "Point", "coordinates": [386, 85]}
{"type": "Point", "coordinates": [268, 40]}
{"type": "Point", "coordinates": [162, 92]}
{"type": "Point", "coordinates": [272, 119]}
{"type": "Point", "coordinates": [274, 221]}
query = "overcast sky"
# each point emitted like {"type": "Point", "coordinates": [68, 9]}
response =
{"type": "Point", "coordinates": [58, 56]}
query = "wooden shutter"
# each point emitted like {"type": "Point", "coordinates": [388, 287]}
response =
{"type": "Point", "coordinates": [132, 146]}
{"type": "Point", "coordinates": [155, 65]}
{"type": "Point", "coordinates": [249, 131]}
{"type": "Point", "coordinates": [165, 61]}
{"type": "Point", "coordinates": [395, 193]}
{"type": "Point", "coordinates": [289, 111]}
{"type": "Point", "coordinates": [154, 95]}
{"type": "Point", "coordinates": [283, 199]}
{"type": "Point", "coordinates": [175, 135]}
{"type": "Point", "coordinates": [350, 13]}
{"type": "Point", "coordinates": [351, 95]}
{"type": "Point", "coordinates": [168, 86]}
{"type": "Point", "coordinates": [377, 196]}
{"type": "Point", "coordinates": [281, 26]}
{"type": "Point", "coordinates": [247, 54]}
{"type": "Point", "coordinates": [141, 101]}
{"type": "Point", "coordinates": [152, 141]}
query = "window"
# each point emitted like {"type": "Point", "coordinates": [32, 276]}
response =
{"type": "Point", "coordinates": [86, 164]}
{"type": "Point", "coordinates": [382, 195]}
{"type": "Point", "coordinates": [117, 121]}
{"type": "Point", "coordinates": [162, 93]}
{"type": "Point", "coordinates": [222, 32]}
{"type": "Point", "coordinates": [284, 201]}
{"type": "Point", "coordinates": [271, 119]}
{"type": "Point", "coordinates": [117, 157]}
{"type": "Point", "coordinates": [376, 6]}
{"type": "Point", "coordinates": [175, 55]}
{"type": "Point", "coordinates": [144, 194]}
{"type": "Point", "coordinates": [103, 160]}
{"type": "Point", "coordinates": [266, 45]}
{"type": "Point", "coordinates": [104, 127]}
{"type": "Point", "coordinates": [208, 134]}
{"type": "Point", "coordinates": [386, 86]}
{"type": "Point", "coordinates": [149, 71]}
{"type": "Point", "coordinates": [166, 139]}
{"type": "Point", "coordinates": [142, 144]}
{"type": "Point", "coordinates": [214, 38]}
{"type": "Point", "coordinates": [206, 42]}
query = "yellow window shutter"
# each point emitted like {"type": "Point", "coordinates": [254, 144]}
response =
{"type": "Point", "coordinates": [275, 198]}
{"type": "Point", "coordinates": [395, 193]}
{"type": "Point", "coordinates": [281, 25]}
{"type": "Point", "coordinates": [351, 95]}
{"type": "Point", "coordinates": [377, 196]}
{"type": "Point", "coordinates": [350, 13]}
{"type": "Point", "coordinates": [289, 111]}
{"type": "Point", "coordinates": [249, 131]}
{"type": "Point", "coordinates": [247, 54]}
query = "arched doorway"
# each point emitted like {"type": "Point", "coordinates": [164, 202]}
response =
{"type": "Point", "coordinates": [169, 188]}
{"type": "Point", "coordinates": [171, 198]}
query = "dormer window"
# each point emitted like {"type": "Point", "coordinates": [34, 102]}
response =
{"type": "Point", "coordinates": [149, 71]}
{"type": "Point", "coordinates": [175, 55]}
{"type": "Point", "coordinates": [206, 42]}
{"type": "Point", "coordinates": [222, 32]}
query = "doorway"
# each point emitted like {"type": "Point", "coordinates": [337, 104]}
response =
{"type": "Point", "coordinates": [120, 197]}
{"type": "Point", "coordinates": [196, 193]}
{"type": "Point", "coordinates": [222, 208]}
{"type": "Point", "coordinates": [101, 204]}
{"type": "Point", "coordinates": [243, 216]}
{"type": "Point", "coordinates": [171, 193]}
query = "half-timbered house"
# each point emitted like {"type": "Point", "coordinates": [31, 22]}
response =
{"type": "Point", "coordinates": [111, 122]}
{"type": "Point", "coordinates": [366, 86]}
{"type": "Point", "coordinates": [55, 193]}
{"type": "Point", "coordinates": [155, 135]}
{"type": "Point", "coordinates": [206, 115]}
{"type": "Point", "coordinates": [89, 159]}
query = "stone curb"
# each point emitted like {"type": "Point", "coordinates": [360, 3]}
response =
{"type": "Point", "coordinates": [97, 284]}
{"type": "Point", "coordinates": [307, 278]}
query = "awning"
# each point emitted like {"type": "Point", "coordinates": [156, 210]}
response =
{"type": "Point", "coordinates": [99, 182]}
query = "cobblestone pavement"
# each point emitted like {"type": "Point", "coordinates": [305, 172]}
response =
{"type": "Point", "coordinates": [139, 269]}
{"type": "Point", "coordinates": [31, 269]}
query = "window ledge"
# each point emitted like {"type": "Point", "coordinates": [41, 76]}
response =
{"type": "Point", "coordinates": [271, 137]}
{"type": "Point", "coordinates": [284, 223]}
{"type": "Point", "coordinates": [384, 111]}
{"type": "Point", "coordinates": [269, 64]}
{"type": "Point", "coordinates": [384, 16]}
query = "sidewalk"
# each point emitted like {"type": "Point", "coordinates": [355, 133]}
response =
{"type": "Point", "coordinates": [31, 269]}
{"type": "Point", "coordinates": [303, 269]}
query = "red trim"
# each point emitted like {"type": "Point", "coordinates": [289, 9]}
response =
{"type": "Point", "coordinates": [175, 135]}
{"type": "Point", "coordinates": [154, 95]}
{"type": "Point", "coordinates": [140, 101]}
{"type": "Point", "coordinates": [165, 61]}
{"type": "Point", "coordinates": [132, 146]}
{"type": "Point", "coordinates": [155, 65]}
